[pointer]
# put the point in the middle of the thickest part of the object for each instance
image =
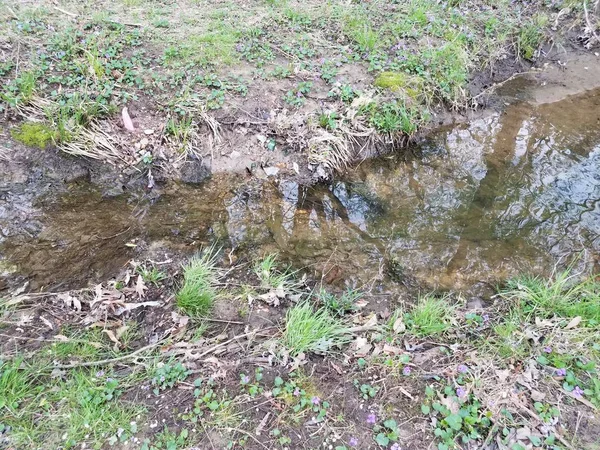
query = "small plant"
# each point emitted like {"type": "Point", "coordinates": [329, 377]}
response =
{"type": "Point", "coordinates": [15, 385]}
{"type": "Point", "coordinates": [253, 389]}
{"type": "Point", "coordinates": [300, 399]}
{"type": "Point", "coordinates": [531, 36]}
{"type": "Point", "coordinates": [386, 433]}
{"type": "Point", "coordinates": [547, 413]}
{"type": "Point", "coordinates": [470, 422]}
{"type": "Point", "coordinates": [297, 96]}
{"type": "Point", "coordinates": [315, 331]}
{"type": "Point", "coordinates": [167, 440]}
{"type": "Point", "coordinates": [430, 316]}
{"type": "Point", "coordinates": [328, 71]}
{"type": "Point", "coordinates": [344, 92]}
{"type": "Point", "coordinates": [367, 391]}
{"type": "Point", "coordinates": [152, 275]}
{"type": "Point", "coordinates": [328, 121]}
{"type": "Point", "coordinates": [271, 277]}
{"type": "Point", "coordinates": [196, 295]}
{"type": "Point", "coordinates": [393, 117]}
{"type": "Point", "coordinates": [340, 304]}
{"type": "Point", "coordinates": [168, 375]}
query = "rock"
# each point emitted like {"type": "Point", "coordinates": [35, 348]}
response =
{"type": "Point", "coordinates": [271, 171]}
{"type": "Point", "coordinates": [194, 172]}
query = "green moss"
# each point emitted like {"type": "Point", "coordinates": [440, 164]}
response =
{"type": "Point", "coordinates": [34, 134]}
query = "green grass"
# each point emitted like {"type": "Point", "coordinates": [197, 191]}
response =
{"type": "Point", "coordinates": [563, 295]}
{"type": "Point", "coordinates": [530, 36]}
{"type": "Point", "coordinates": [310, 330]}
{"type": "Point", "coordinates": [16, 384]}
{"type": "Point", "coordinates": [196, 295]}
{"type": "Point", "coordinates": [271, 277]}
{"type": "Point", "coordinates": [151, 275]}
{"type": "Point", "coordinates": [431, 316]}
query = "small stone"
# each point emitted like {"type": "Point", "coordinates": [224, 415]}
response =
{"type": "Point", "coordinates": [144, 142]}
{"type": "Point", "coordinates": [271, 171]}
{"type": "Point", "coordinates": [148, 131]}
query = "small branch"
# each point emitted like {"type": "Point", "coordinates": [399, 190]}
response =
{"type": "Point", "coordinates": [589, 23]}
{"type": "Point", "coordinates": [108, 361]}
{"type": "Point", "coordinates": [65, 12]}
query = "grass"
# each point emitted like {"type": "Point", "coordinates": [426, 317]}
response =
{"type": "Point", "coordinates": [310, 330]}
{"type": "Point", "coordinates": [271, 277]}
{"type": "Point", "coordinates": [197, 292]}
{"type": "Point", "coordinates": [430, 316]}
{"type": "Point", "coordinates": [562, 295]}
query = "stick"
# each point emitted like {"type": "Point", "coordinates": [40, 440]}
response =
{"type": "Point", "coordinates": [107, 361]}
{"type": "Point", "coordinates": [65, 12]}
{"type": "Point", "coordinates": [587, 20]}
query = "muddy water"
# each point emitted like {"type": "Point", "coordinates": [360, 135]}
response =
{"type": "Point", "coordinates": [508, 193]}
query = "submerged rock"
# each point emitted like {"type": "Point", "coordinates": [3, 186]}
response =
{"type": "Point", "coordinates": [194, 172]}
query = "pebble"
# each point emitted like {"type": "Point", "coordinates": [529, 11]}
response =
{"type": "Point", "coordinates": [148, 131]}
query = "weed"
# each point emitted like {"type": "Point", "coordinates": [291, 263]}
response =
{"type": "Point", "coordinates": [367, 391]}
{"type": "Point", "coordinates": [16, 384]}
{"type": "Point", "coordinates": [560, 296]}
{"type": "Point", "coordinates": [386, 432]}
{"type": "Point", "coordinates": [299, 394]}
{"type": "Point", "coordinates": [344, 92]}
{"type": "Point", "coordinates": [21, 90]}
{"type": "Point", "coordinates": [271, 277]}
{"type": "Point", "coordinates": [531, 36]}
{"type": "Point", "coordinates": [394, 117]}
{"type": "Point", "coordinates": [342, 304]}
{"type": "Point", "coordinates": [328, 71]}
{"type": "Point", "coordinates": [328, 121]}
{"type": "Point", "coordinates": [152, 275]}
{"type": "Point", "coordinates": [167, 440]}
{"type": "Point", "coordinates": [315, 331]}
{"type": "Point", "coordinates": [430, 316]}
{"type": "Point", "coordinates": [168, 375]}
{"type": "Point", "coordinates": [197, 293]}
{"type": "Point", "coordinates": [466, 422]}
{"type": "Point", "coordinates": [297, 96]}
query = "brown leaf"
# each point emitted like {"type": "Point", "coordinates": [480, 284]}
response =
{"type": "Point", "coordinates": [112, 337]}
{"type": "Point", "coordinates": [140, 287]}
{"type": "Point", "coordinates": [127, 122]}
{"type": "Point", "coordinates": [399, 326]}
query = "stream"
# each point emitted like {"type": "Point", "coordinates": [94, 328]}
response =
{"type": "Point", "coordinates": [516, 192]}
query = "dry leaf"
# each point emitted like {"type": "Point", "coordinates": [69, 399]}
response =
{"type": "Point", "coordinates": [127, 120]}
{"type": "Point", "coordinates": [391, 350]}
{"type": "Point", "coordinates": [573, 323]}
{"type": "Point", "coordinates": [140, 287]}
{"type": "Point", "coordinates": [361, 346]}
{"type": "Point", "coordinates": [112, 337]}
{"type": "Point", "coordinates": [399, 326]}
{"type": "Point", "coordinates": [537, 396]}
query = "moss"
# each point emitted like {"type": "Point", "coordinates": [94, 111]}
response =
{"type": "Point", "coordinates": [34, 134]}
{"type": "Point", "coordinates": [398, 81]}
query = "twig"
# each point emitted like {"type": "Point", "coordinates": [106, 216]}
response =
{"type": "Point", "coordinates": [12, 13]}
{"type": "Point", "coordinates": [108, 361]}
{"type": "Point", "coordinates": [65, 12]}
{"type": "Point", "coordinates": [587, 21]}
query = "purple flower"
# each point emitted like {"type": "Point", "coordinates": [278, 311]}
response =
{"type": "Point", "coordinates": [577, 392]}
{"type": "Point", "coordinates": [353, 442]}
{"type": "Point", "coordinates": [460, 392]}
{"type": "Point", "coordinates": [548, 349]}
{"type": "Point", "coordinates": [371, 419]}
{"type": "Point", "coordinates": [395, 446]}
{"type": "Point", "coordinates": [560, 372]}
{"type": "Point", "coordinates": [245, 379]}
{"type": "Point", "coordinates": [406, 371]}
{"type": "Point", "coordinates": [315, 400]}
{"type": "Point", "coordinates": [462, 368]}
{"type": "Point", "coordinates": [296, 392]}
{"type": "Point", "coordinates": [486, 318]}
{"type": "Point", "coordinates": [100, 373]}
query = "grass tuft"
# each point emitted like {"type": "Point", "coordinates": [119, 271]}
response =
{"type": "Point", "coordinates": [562, 295]}
{"type": "Point", "coordinates": [430, 316]}
{"type": "Point", "coordinates": [197, 293]}
{"type": "Point", "coordinates": [307, 330]}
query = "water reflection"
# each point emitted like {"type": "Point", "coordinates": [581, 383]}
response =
{"type": "Point", "coordinates": [504, 194]}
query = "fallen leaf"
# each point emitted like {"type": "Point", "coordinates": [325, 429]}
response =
{"type": "Point", "coordinates": [399, 326]}
{"type": "Point", "coordinates": [127, 122]}
{"type": "Point", "coordinates": [537, 396]}
{"type": "Point", "coordinates": [361, 346]}
{"type": "Point", "coordinates": [391, 350]}
{"type": "Point", "coordinates": [140, 287]}
{"type": "Point", "coordinates": [296, 168]}
{"type": "Point", "coordinates": [502, 375]}
{"type": "Point", "coordinates": [112, 337]}
{"type": "Point", "coordinates": [573, 323]}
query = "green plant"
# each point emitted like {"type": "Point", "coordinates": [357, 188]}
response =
{"type": "Point", "coordinates": [315, 331]}
{"type": "Point", "coordinates": [394, 117]}
{"type": "Point", "coordinates": [430, 316]}
{"type": "Point", "coordinates": [16, 384]}
{"type": "Point", "coordinates": [168, 375]}
{"type": "Point", "coordinates": [562, 295]}
{"type": "Point", "coordinates": [297, 96]}
{"type": "Point", "coordinates": [340, 304]}
{"type": "Point", "coordinates": [466, 422]}
{"type": "Point", "coordinates": [328, 121]}
{"type": "Point", "coordinates": [367, 391]}
{"type": "Point", "coordinates": [530, 36]}
{"type": "Point", "coordinates": [167, 440]}
{"type": "Point", "coordinates": [546, 412]}
{"type": "Point", "coordinates": [271, 277]}
{"type": "Point", "coordinates": [196, 295]}
{"type": "Point", "coordinates": [300, 396]}
{"type": "Point", "coordinates": [152, 275]}
{"type": "Point", "coordinates": [328, 71]}
{"type": "Point", "coordinates": [344, 92]}
{"type": "Point", "coordinates": [386, 432]}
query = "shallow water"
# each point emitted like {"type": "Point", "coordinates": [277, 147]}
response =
{"type": "Point", "coordinates": [505, 194]}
